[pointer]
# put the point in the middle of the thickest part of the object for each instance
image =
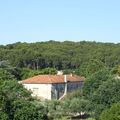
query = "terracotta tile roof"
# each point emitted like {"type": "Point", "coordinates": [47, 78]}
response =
{"type": "Point", "coordinates": [40, 79]}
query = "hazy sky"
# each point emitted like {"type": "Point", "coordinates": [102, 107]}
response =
{"type": "Point", "coordinates": [76, 20]}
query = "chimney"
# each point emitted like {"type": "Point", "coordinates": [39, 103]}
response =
{"type": "Point", "coordinates": [71, 74]}
{"type": "Point", "coordinates": [59, 72]}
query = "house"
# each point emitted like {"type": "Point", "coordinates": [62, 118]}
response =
{"type": "Point", "coordinates": [52, 86]}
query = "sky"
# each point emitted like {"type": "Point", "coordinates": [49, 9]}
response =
{"type": "Point", "coordinates": [73, 20]}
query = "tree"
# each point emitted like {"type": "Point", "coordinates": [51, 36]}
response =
{"type": "Point", "coordinates": [75, 105]}
{"type": "Point", "coordinates": [5, 75]}
{"type": "Point", "coordinates": [116, 70]}
{"type": "Point", "coordinates": [16, 103]}
{"type": "Point", "coordinates": [54, 109]}
{"type": "Point", "coordinates": [26, 110]}
{"type": "Point", "coordinates": [113, 113]}
{"type": "Point", "coordinates": [61, 55]}
{"type": "Point", "coordinates": [26, 72]}
{"type": "Point", "coordinates": [90, 67]}
{"type": "Point", "coordinates": [107, 94]}
{"type": "Point", "coordinates": [5, 64]}
{"type": "Point", "coordinates": [93, 82]}
{"type": "Point", "coordinates": [49, 71]}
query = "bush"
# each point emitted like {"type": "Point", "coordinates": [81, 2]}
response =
{"type": "Point", "coordinates": [112, 113]}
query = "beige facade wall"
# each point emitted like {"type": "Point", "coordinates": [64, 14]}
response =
{"type": "Point", "coordinates": [52, 91]}
{"type": "Point", "coordinates": [40, 90]}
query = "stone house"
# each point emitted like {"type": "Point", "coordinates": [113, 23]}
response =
{"type": "Point", "coordinates": [52, 86]}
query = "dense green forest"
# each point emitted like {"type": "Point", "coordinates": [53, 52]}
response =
{"type": "Point", "coordinates": [99, 99]}
{"type": "Point", "coordinates": [59, 55]}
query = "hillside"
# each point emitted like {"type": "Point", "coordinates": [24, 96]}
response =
{"type": "Point", "coordinates": [98, 62]}
{"type": "Point", "coordinates": [60, 55]}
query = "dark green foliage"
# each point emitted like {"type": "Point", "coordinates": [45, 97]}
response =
{"type": "Point", "coordinates": [48, 71]}
{"type": "Point", "coordinates": [25, 110]}
{"type": "Point", "coordinates": [54, 109]}
{"type": "Point", "coordinates": [112, 113]}
{"type": "Point", "coordinates": [95, 61]}
{"type": "Point", "coordinates": [116, 70]}
{"type": "Point", "coordinates": [26, 72]}
{"type": "Point", "coordinates": [13, 90]}
{"type": "Point", "coordinates": [75, 105]}
{"type": "Point", "coordinates": [89, 68]}
{"type": "Point", "coordinates": [69, 71]}
{"type": "Point", "coordinates": [102, 90]}
{"type": "Point", "coordinates": [17, 104]}
{"type": "Point", "coordinates": [107, 94]}
{"type": "Point", "coordinates": [93, 82]}
{"type": "Point", "coordinates": [74, 94]}
{"type": "Point", "coordinates": [60, 55]}
{"type": "Point", "coordinates": [72, 104]}
{"type": "Point", "coordinates": [7, 72]}
{"type": "Point", "coordinates": [3, 116]}
{"type": "Point", "coordinates": [5, 64]}
{"type": "Point", "coordinates": [5, 75]}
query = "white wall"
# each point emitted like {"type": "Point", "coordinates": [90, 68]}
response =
{"type": "Point", "coordinates": [40, 90]}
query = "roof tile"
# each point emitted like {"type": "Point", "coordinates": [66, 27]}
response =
{"type": "Point", "coordinates": [45, 79]}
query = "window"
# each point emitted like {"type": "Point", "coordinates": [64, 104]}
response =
{"type": "Point", "coordinates": [35, 91]}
